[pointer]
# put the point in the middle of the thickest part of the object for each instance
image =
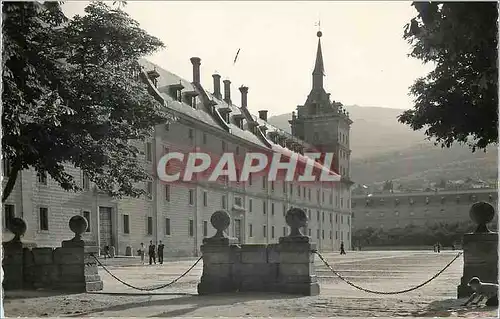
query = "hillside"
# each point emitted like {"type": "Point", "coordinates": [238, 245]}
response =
{"type": "Point", "coordinates": [375, 130]}
{"type": "Point", "coordinates": [383, 149]}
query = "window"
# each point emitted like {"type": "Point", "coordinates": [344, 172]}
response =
{"type": "Point", "coordinates": [331, 199]}
{"type": "Point", "coordinates": [291, 189]}
{"type": "Point", "coordinates": [42, 178]}
{"type": "Point", "coordinates": [264, 182]}
{"type": "Point", "coordinates": [341, 219]}
{"type": "Point", "coordinates": [238, 174]}
{"type": "Point", "coordinates": [167, 226]}
{"type": "Point", "coordinates": [336, 218]}
{"type": "Point", "coordinates": [284, 209]}
{"type": "Point", "coordinates": [191, 228]}
{"type": "Point", "coordinates": [264, 208]}
{"type": "Point", "coordinates": [167, 193]}
{"type": "Point", "coordinates": [149, 189]}
{"type": "Point", "coordinates": [237, 201]}
{"type": "Point", "coordinates": [85, 181]}
{"type": "Point", "coordinates": [284, 187]}
{"type": "Point", "coordinates": [336, 235]}
{"type": "Point", "coordinates": [284, 231]}
{"type": "Point", "coordinates": [6, 167]}
{"type": "Point", "coordinates": [223, 201]}
{"type": "Point", "coordinates": [272, 186]}
{"type": "Point", "coordinates": [309, 214]}
{"type": "Point", "coordinates": [323, 197]}
{"type": "Point", "coordinates": [126, 224]}
{"type": "Point", "coordinates": [304, 192]}
{"type": "Point", "coordinates": [9, 213]}
{"type": "Point", "coordinates": [272, 231]}
{"type": "Point", "coordinates": [348, 220]}
{"type": "Point", "coordinates": [317, 195]}
{"type": "Point", "coordinates": [323, 234]}
{"type": "Point", "coordinates": [250, 205]}
{"type": "Point", "coordinates": [341, 202]}
{"type": "Point", "coordinates": [264, 231]}
{"type": "Point", "coordinates": [191, 197]}
{"type": "Point", "coordinates": [250, 179]}
{"type": "Point", "coordinates": [272, 209]}
{"type": "Point", "coordinates": [298, 191]}
{"type": "Point", "coordinates": [317, 215]}
{"type": "Point", "coordinates": [149, 152]}
{"type": "Point", "coordinates": [44, 218]}
{"type": "Point", "coordinates": [317, 234]}
{"type": "Point", "coordinates": [322, 217]}
{"type": "Point", "coordinates": [309, 194]}
{"type": "Point", "coordinates": [330, 234]}
{"type": "Point", "coordinates": [250, 230]}
{"type": "Point", "coordinates": [150, 225]}
{"type": "Point", "coordinates": [191, 134]}
{"type": "Point", "coordinates": [309, 232]}
{"type": "Point", "coordinates": [87, 217]}
{"type": "Point", "coordinates": [331, 218]}
{"type": "Point", "coordinates": [205, 228]}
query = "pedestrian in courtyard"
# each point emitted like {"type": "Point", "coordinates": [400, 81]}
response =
{"type": "Point", "coordinates": [160, 252]}
{"type": "Point", "coordinates": [342, 250]}
{"type": "Point", "coordinates": [152, 253]}
{"type": "Point", "coordinates": [142, 252]}
{"type": "Point", "coordinates": [435, 247]}
{"type": "Point", "coordinates": [438, 247]}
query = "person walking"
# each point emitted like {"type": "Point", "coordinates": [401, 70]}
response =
{"type": "Point", "coordinates": [152, 253]}
{"type": "Point", "coordinates": [342, 250]}
{"type": "Point", "coordinates": [160, 252]}
{"type": "Point", "coordinates": [438, 247]}
{"type": "Point", "coordinates": [142, 252]}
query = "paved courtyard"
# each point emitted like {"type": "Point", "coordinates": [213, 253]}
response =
{"type": "Point", "coordinates": [386, 271]}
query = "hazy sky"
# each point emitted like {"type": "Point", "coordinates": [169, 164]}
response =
{"type": "Point", "coordinates": [365, 56]}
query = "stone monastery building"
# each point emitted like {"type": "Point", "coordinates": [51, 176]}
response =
{"type": "Point", "coordinates": [179, 214]}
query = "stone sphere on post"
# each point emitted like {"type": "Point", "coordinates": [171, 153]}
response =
{"type": "Point", "coordinates": [296, 218]}
{"type": "Point", "coordinates": [18, 227]}
{"type": "Point", "coordinates": [220, 220]}
{"type": "Point", "coordinates": [78, 225]}
{"type": "Point", "coordinates": [482, 213]}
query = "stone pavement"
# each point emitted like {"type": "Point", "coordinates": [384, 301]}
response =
{"type": "Point", "coordinates": [387, 271]}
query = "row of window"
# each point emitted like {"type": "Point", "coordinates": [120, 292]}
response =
{"type": "Point", "coordinates": [43, 217]}
{"type": "Point", "coordinates": [411, 201]}
{"type": "Point", "coordinates": [191, 196]}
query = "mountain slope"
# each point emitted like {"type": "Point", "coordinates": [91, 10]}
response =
{"type": "Point", "coordinates": [383, 149]}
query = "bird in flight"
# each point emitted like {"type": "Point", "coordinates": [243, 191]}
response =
{"type": "Point", "coordinates": [236, 57]}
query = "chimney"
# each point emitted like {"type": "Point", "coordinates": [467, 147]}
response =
{"type": "Point", "coordinates": [227, 91]}
{"type": "Point", "coordinates": [263, 115]}
{"type": "Point", "coordinates": [196, 69]}
{"type": "Point", "coordinates": [216, 85]}
{"type": "Point", "coordinates": [244, 95]}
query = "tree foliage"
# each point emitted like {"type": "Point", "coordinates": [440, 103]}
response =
{"type": "Point", "coordinates": [72, 95]}
{"type": "Point", "coordinates": [458, 100]}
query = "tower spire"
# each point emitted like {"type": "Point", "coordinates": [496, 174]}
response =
{"type": "Point", "coordinates": [319, 70]}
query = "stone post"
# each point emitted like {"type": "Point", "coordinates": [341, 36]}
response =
{"type": "Point", "coordinates": [219, 257]}
{"type": "Point", "coordinates": [78, 269]}
{"type": "Point", "coordinates": [12, 262]}
{"type": "Point", "coordinates": [480, 250]}
{"type": "Point", "coordinates": [296, 258]}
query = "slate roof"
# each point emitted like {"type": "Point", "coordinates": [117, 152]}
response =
{"type": "Point", "coordinates": [201, 113]}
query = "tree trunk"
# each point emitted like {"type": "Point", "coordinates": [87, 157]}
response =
{"type": "Point", "coordinates": [14, 171]}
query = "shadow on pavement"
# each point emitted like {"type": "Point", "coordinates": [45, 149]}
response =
{"type": "Point", "coordinates": [453, 307]}
{"type": "Point", "coordinates": [35, 293]}
{"type": "Point", "coordinates": [195, 302]}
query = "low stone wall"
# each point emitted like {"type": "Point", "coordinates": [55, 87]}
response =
{"type": "Point", "coordinates": [69, 268]}
{"type": "Point", "coordinates": [287, 267]}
